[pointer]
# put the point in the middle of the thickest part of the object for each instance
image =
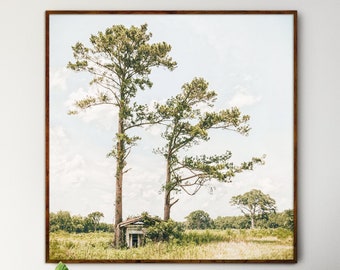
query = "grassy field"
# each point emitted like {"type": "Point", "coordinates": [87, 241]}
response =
{"type": "Point", "coordinates": [258, 244]}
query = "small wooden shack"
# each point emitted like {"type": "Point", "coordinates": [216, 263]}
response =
{"type": "Point", "coordinates": [134, 232]}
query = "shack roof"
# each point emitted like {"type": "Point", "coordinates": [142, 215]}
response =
{"type": "Point", "coordinates": [129, 221]}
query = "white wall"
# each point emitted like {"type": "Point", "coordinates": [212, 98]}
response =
{"type": "Point", "coordinates": [22, 128]}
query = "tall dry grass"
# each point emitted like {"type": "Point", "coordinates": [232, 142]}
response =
{"type": "Point", "coordinates": [262, 244]}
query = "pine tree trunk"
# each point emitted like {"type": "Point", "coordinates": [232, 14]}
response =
{"type": "Point", "coordinates": [167, 192]}
{"type": "Point", "coordinates": [119, 184]}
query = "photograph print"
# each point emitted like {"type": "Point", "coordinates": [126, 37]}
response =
{"type": "Point", "coordinates": [171, 136]}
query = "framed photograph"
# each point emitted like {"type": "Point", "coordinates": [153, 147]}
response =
{"type": "Point", "coordinates": [171, 136]}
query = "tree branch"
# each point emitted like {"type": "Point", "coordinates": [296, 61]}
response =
{"type": "Point", "coordinates": [171, 204]}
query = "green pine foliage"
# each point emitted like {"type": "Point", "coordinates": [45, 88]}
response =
{"type": "Point", "coordinates": [120, 61]}
{"type": "Point", "coordinates": [185, 126]}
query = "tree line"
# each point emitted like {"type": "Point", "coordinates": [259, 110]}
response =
{"type": "Point", "coordinates": [160, 230]}
{"type": "Point", "coordinates": [120, 60]}
{"type": "Point", "coordinates": [63, 221]}
{"type": "Point", "coordinates": [200, 220]}
{"type": "Point", "coordinates": [259, 211]}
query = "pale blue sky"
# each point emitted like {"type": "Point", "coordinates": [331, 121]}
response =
{"type": "Point", "coordinates": [247, 60]}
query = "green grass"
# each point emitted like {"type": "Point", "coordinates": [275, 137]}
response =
{"type": "Point", "coordinates": [258, 244]}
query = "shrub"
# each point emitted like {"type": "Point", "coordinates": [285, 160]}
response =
{"type": "Point", "coordinates": [164, 231]}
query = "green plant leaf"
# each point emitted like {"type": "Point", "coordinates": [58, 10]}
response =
{"type": "Point", "coordinates": [61, 266]}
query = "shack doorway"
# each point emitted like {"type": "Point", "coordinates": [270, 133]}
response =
{"type": "Point", "coordinates": [134, 232]}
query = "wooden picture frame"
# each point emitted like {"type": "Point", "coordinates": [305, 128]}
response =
{"type": "Point", "coordinates": [214, 140]}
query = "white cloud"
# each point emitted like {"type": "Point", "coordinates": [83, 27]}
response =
{"type": "Point", "coordinates": [205, 108]}
{"type": "Point", "coordinates": [154, 130]}
{"type": "Point", "coordinates": [142, 184]}
{"type": "Point", "coordinates": [80, 183]}
{"type": "Point", "coordinates": [58, 78]}
{"type": "Point", "coordinates": [103, 116]}
{"type": "Point", "coordinates": [243, 98]}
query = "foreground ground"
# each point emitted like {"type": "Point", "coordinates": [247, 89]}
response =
{"type": "Point", "coordinates": [262, 244]}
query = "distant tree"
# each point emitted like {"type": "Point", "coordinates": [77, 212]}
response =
{"type": "Point", "coordinates": [78, 223]}
{"type": "Point", "coordinates": [199, 220]}
{"type": "Point", "coordinates": [95, 219]}
{"type": "Point", "coordinates": [289, 219]}
{"type": "Point", "coordinates": [284, 219]}
{"type": "Point", "coordinates": [185, 126]}
{"type": "Point", "coordinates": [53, 223]}
{"type": "Point", "coordinates": [232, 222]}
{"type": "Point", "coordinates": [120, 60]}
{"type": "Point", "coordinates": [105, 227]}
{"type": "Point", "coordinates": [254, 203]}
{"type": "Point", "coordinates": [222, 223]}
{"type": "Point", "coordinates": [61, 220]}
